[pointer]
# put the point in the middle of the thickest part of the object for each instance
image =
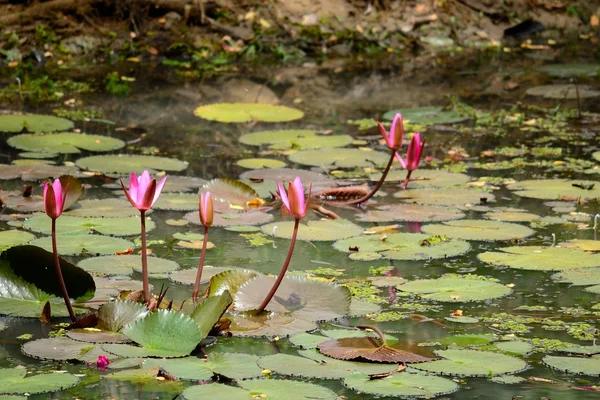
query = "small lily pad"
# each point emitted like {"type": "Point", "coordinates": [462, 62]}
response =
{"type": "Point", "coordinates": [65, 143]}
{"type": "Point", "coordinates": [340, 158]}
{"type": "Point", "coordinates": [68, 225]}
{"type": "Point", "coordinates": [258, 163]}
{"type": "Point", "coordinates": [563, 91]}
{"type": "Point", "coordinates": [511, 216]}
{"type": "Point", "coordinates": [579, 276]}
{"type": "Point", "coordinates": [508, 379]}
{"type": "Point", "coordinates": [177, 202]}
{"type": "Point", "coordinates": [479, 230]}
{"type": "Point", "coordinates": [247, 218]}
{"type": "Point", "coordinates": [126, 265]}
{"type": "Point", "coordinates": [541, 258]}
{"type": "Point", "coordinates": [300, 139]}
{"type": "Point", "coordinates": [125, 164]}
{"type": "Point", "coordinates": [425, 178]}
{"type": "Point", "coordinates": [410, 213]}
{"type": "Point", "coordinates": [403, 384]}
{"type": "Point", "coordinates": [456, 289]}
{"type": "Point", "coordinates": [462, 362]}
{"type": "Point", "coordinates": [85, 243]}
{"type": "Point", "coordinates": [445, 197]}
{"type": "Point", "coordinates": [247, 112]}
{"type": "Point", "coordinates": [33, 123]}
{"type": "Point", "coordinates": [17, 381]}
{"type": "Point", "coordinates": [109, 208]}
{"type": "Point", "coordinates": [556, 189]}
{"type": "Point", "coordinates": [426, 116]}
{"type": "Point", "coordinates": [518, 347]}
{"type": "Point", "coordinates": [326, 230]}
{"type": "Point", "coordinates": [61, 349]}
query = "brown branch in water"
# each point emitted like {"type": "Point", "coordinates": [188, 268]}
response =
{"type": "Point", "coordinates": [376, 330]}
{"type": "Point", "coordinates": [322, 210]}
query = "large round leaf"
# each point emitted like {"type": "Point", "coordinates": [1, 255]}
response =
{"type": "Point", "coordinates": [459, 362]}
{"type": "Point", "coordinates": [177, 202]}
{"type": "Point", "coordinates": [247, 218]}
{"type": "Point", "coordinates": [272, 389]}
{"type": "Point", "coordinates": [557, 189]}
{"type": "Point", "coordinates": [325, 230]}
{"type": "Point", "coordinates": [574, 365]}
{"type": "Point", "coordinates": [67, 225]}
{"type": "Point", "coordinates": [103, 208]}
{"type": "Point", "coordinates": [125, 164]}
{"type": "Point", "coordinates": [456, 289]}
{"type": "Point", "coordinates": [61, 349]}
{"type": "Point", "coordinates": [230, 365]}
{"type": "Point", "coordinates": [410, 213]}
{"type": "Point", "coordinates": [445, 197]}
{"type": "Point", "coordinates": [579, 276]}
{"type": "Point", "coordinates": [258, 163]}
{"type": "Point", "coordinates": [541, 258]}
{"type": "Point", "coordinates": [17, 381]}
{"type": "Point", "coordinates": [479, 230]}
{"type": "Point", "coordinates": [426, 115]}
{"type": "Point", "coordinates": [403, 384]}
{"type": "Point", "coordinates": [33, 123]}
{"type": "Point", "coordinates": [340, 158]}
{"type": "Point", "coordinates": [85, 243]}
{"type": "Point", "coordinates": [269, 325]}
{"type": "Point", "coordinates": [36, 172]}
{"type": "Point", "coordinates": [367, 348]}
{"type": "Point", "coordinates": [299, 139]}
{"type": "Point", "coordinates": [65, 143]}
{"type": "Point", "coordinates": [126, 265]}
{"type": "Point", "coordinates": [247, 112]}
{"type": "Point", "coordinates": [14, 237]}
{"type": "Point", "coordinates": [425, 178]}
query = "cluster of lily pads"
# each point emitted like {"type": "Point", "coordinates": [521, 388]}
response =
{"type": "Point", "coordinates": [141, 337]}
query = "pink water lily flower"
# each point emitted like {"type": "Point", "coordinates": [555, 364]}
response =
{"type": "Point", "coordinates": [102, 363]}
{"type": "Point", "coordinates": [293, 200]}
{"type": "Point", "coordinates": [206, 209]}
{"type": "Point", "coordinates": [413, 155]}
{"type": "Point", "coordinates": [394, 138]}
{"type": "Point", "coordinates": [143, 190]}
{"type": "Point", "coordinates": [54, 198]}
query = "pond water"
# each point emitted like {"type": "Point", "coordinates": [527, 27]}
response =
{"type": "Point", "coordinates": [524, 164]}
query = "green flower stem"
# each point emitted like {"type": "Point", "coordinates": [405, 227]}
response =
{"type": "Point", "coordinates": [200, 264]}
{"type": "Point", "coordinates": [376, 188]}
{"type": "Point", "coordinates": [408, 174]}
{"type": "Point", "coordinates": [59, 275]}
{"type": "Point", "coordinates": [145, 284]}
{"type": "Point", "coordinates": [284, 268]}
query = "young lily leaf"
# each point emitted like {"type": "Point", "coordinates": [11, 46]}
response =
{"type": "Point", "coordinates": [210, 310]}
{"type": "Point", "coordinates": [65, 143]}
{"type": "Point", "coordinates": [126, 264]}
{"type": "Point", "coordinates": [17, 381]}
{"type": "Point", "coordinates": [403, 384]}
{"type": "Point", "coordinates": [456, 289]}
{"type": "Point", "coordinates": [114, 316]}
{"type": "Point", "coordinates": [479, 230]}
{"type": "Point", "coordinates": [85, 243]}
{"type": "Point", "coordinates": [247, 112]}
{"type": "Point", "coordinates": [541, 258]}
{"type": "Point", "coordinates": [34, 123]}
{"type": "Point", "coordinates": [473, 363]}
{"type": "Point", "coordinates": [68, 225]}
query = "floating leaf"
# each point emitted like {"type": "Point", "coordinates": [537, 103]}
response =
{"type": "Point", "coordinates": [570, 70]}
{"type": "Point", "coordinates": [115, 315]}
{"type": "Point", "coordinates": [426, 116]}
{"type": "Point", "coordinates": [325, 230]}
{"type": "Point", "coordinates": [579, 276]}
{"type": "Point", "coordinates": [210, 310]}
{"type": "Point", "coordinates": [274, 325]}
{"type": "Point", "coordinates": [518, 347]}
{"type": "Point", "coordinates": [574, 365]}
{"type": "Point", "coordinates": [34, 123]}
{"type": "Point", "coordinates": [403, 246]}
{"type": "Point", "coordinates": [425, 178]}
{"type": "Point", "coordinates": [479, 230]}
{"type": "Point", "coordinates": [103, 208]}
{"type": "Point", "coordinates": [36, 172]}
{"type": "Point", "coordinates": [462, 319]}
{"type": "Point", "coordinates": [467, 340]}
{"type": "Point", "coordinates": [258, 163]}
{"type": "Point", "coordinates": [460, 362]}
{"type": "Point", "coordinates": [229, 281]}
{"type": "Point", "coordinates": [17, 381]}
{"type": "Point", "coordinates": [276, 389]}
{"type": "Point", "coordinates": [456, 289]}
{"type": "Point", "coordinates": [340, 158]}
{"type": "Point", "coordinates": [247, 112]}
{"type": "Point", "coordinates": [299, 139]}
{"type": "Point", "coordinates": [65, 143]}
{"type": "Point", "coordinates": [247, 218]}
{"type": "Point", "coordinates": [563, 91]}
{"type": "Point", "coordinates": [445, 197]}
{"type": "Point", "coordinates": [511, 216]}
{"type": "Point", "coordinates": [287, 175]}
{"type": "Point", "coordinates": [229, 195]}
{"type": "Point", "coordinates": [14, 237]}
{"type": "Point", "coordinates": [188, 276]}
{"type": "Point", "coordinates": [92, 335]}
{"type": "Point", "coordinates": [371, 349]}
{"type": "Point", "coordinates": [556, 189]}
{"type": "Point", "coordinates": [508, 379]}
{"type": "Point", "coordinates": [179, 183]}
{"type": "Point", "coordinates": [68, 225]}
{"type": "Point", "coordinates": [125, 164]}
{"type": "Point", "coordinates": [61, 349]}
{"type": "Point", "coordinates": [85, 243]}
{"type": "Point", "coordinates": [177, 202]}
{"type": "Point", "coordinates": [410, 213]}
{"type": "Point", "coordinates": [541, 258]}
{"type": "Point", "coordinates": [582, 244]}
{"type": "Point", "coordinates": [582, 350]}
{"type": "Point", "coordinates": [403, 384]}
{"type": "Point", "coordinates": [126, 265]}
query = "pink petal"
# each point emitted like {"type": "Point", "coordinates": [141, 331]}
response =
{"type": "Point", "coordinates": [400, 160]}
{"type": "Point", "coordinates": [396, 132]}
{"type": "Point", "coordinates": [144, 182]}
{"type": "Point", "coordinates": [284, 197]}
{"type": "Point", "coordinates": [382, 131]}
{"type": "Point", "coordinates": [133, 203]}
{"type": "Point", "coordinates": [296, 197]}
{"type": "Point", "coordinates": [133, 189]}
{"type": "Point", "coordinates": [58, 196]}
{"type": "Point", "coordinates": [159, 189]}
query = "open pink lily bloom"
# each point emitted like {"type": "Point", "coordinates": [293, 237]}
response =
{"type": "Point", "coordinates": [206, 209]}
{"type": "Point", "coordinates": [413, 155]}
{"type": "Point", "coordinates": [54, 198]}
{"type": "Point", "coordinates": [293, 200]}
{"type": "Point", "coordinates": [143, 190]}
{"type": "Point", "coordinates": [394, 139]}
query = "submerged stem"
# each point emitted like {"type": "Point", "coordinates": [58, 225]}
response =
{"type": "Point", "coordinates": [59, 274]}
{"type": "Point", "coordinates": [376, 188]}
{"type": "Point", "coordinates": [284, 268]}
{"type": "Point", "coordinates": [408, 174]}
{"type": "Point", "coordinates": [145, 284]}
{"type": "Point", "coordinates": [200, 264]}
{"type": "Point", "coordinates": [376, 330]}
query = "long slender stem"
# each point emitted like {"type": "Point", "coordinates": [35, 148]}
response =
{"type": "Point", "coordinates": [145, 284]}
{"type": "Point", "coordinates": [59, 274]}
{"type": "Point", "coordinates": [408, 174]}
{"type": "Point", "coordinates": [200, 264]}
{"type": "Point", "coordinates": [376, 188]}
{"type": "Point", "coordinates": [284, 268]}
{"type": "Point", "coordinates": [376, 330]}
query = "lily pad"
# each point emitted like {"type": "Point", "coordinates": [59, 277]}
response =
{"type": "Point", "coordinates": [125, 164]}
{"type": "Point", "coordinates": [247, 112]}
{"type": "Point", "coordinates": [179, 183]}
{"type": "Point", "coordinates": [33, 123]}
{"type": "Point", "coordinates": [229, 281]}
{"type": "Point", "coordinates": [467, 340]}
{"type": "Point", "coordinates": [403, 384]}
{"type": "Point", "coordinates": [563, 91]}
{"type": "Point", "coordinates": [17, 381]}
{"type": "Point", "coordinates": [287, 175]}
{"type": "Point", "coordinates": [68, 225]}
{"type": "Point", "coordinates": [508, 379]}
{"type": "Point", "coordinates": [93, 335]}
{"type": "Point", "coordinates": [188, 276]}
{"type": "Point", "coordinates": [540, 258]}
{"type": "Point", "coordinates": [571, 70]}
{"type": "Point", "coordinates": [426, 116]}
{"type": "Point", "coordinates": [340, 158]}
{"type": "Point", "coordinates": [85, 243]}
{"type": "Point", "coordinates": [403, 246]}
{"type": "Point", "coordinates": [456, 289]}
{"type": "Point", "coordinates": [109, 208]}
{"type": "Point", "coordinates": [425, 178]}
{"type": "Point", "coordinates": [511, 216]}
{"type": "Point", "coordinates": [235, 219]}
{"type": "Point", "coordinates": [126, 264]}
{"type": "Point", "coordinates": [582, 244]}
{"type": "Point", "coordinates": [14, 237]}
{"type": "Point", "coordinates": [326, 230]}
{"type": "Point", "coordinates": [177, 201]}
{"type": "Point", "coordinates": [479, 230]}
{"type": "Point", "coordinates": [65, 143]}
{"type": "Point", "coordinates": [230, 195]}
{"type": "Point", "coordinates": [579, 276]}
{"type": "Point", "coordinates": [445, 197]}
{"type": "Point", "coordinates": [462, 362]}
{"type": "Point", "coordinates": [363, 348]}
{"type": "Point", "coordinates": [115, 315]}
{"type": "Point", "coordinates": [410, 213]}
{"type": "Point", "coordinates": [574, 365]}
{"type": "Point", "coordinates": [36, 172]}
{"type": "Point", "coordinates": [273, 325]}
{"type": "Point", "coordinates": [518, 347]}
{"type": "Point", "coordinates": [272, 389]}
{"type": "Point", "coordinates": [258, 163]}
{"type": "Point", "coordinates": [557, 189]}
{"type": "Point", "coordinates": [61, 349]}
{"type": "Point", "coordinates": [299, 139]}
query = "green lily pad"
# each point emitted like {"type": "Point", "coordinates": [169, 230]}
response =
{"type": "Point", "coordinates": [299, 139]}
{"type": "Point", "coordinates": [230, 365]}
{"type": "Point", "coordinates": [210, 310]}
{"type": "Point", "coordinates": [17, 381]}
{"type": "Point", "coordinates": [445, 197]}
{"type": "Point", "coordinates": [426, 116]}
{"type": "Point", "coordinates": [479, 230]}
{"type": "Point", "coordinates": [425, 178]}
{"type": "Point", "coordinates": [462, 319]}
{"type": "Point", "coordinates": [467, 340]}
{"type": "Point", "coordinates": [518, 347]}
{"type": "Point", "coordinates": [410, 213]}
{"type": "Point", "coordinates": [188, 276]}
{"type": "Point", "coordinates": [186, 368]}
{"type": "Point", "coordinates": [236, 219]}
{"type": "Point", "coordinates": [85, 243]}
{"type": "Point", "coordinates": [456, 289]}
{"type": "Point", "coordinates": [33, 123]}
{"type": "Point", "coordinates": [340, 158]}
{"type": "Point", "coordinates": [258, 163]}
{"type": "Point", "coordinates": [508, 379]}
{"type": "Point", "coordinates": [402, 246]}
{"type": "Point", "coordinates": [36, 155]}
{"type": "Point", "coordinates": [326, 230]}
{"type": "Point", "coordinates": [36, 172]}
{"type": "Point", "coordinates": [462, 362]}
{"type": "Point", "coordinates": [300, 297]}
{"type": "Point", "coordinates": [556, 189]}
{"type": "Point", "coordinates": [125, 164]}
{"type": "Point", "coordinates": [177, 201]}
{"type": "Point", "coordinates": [72, 225]}
{"type": "Point", "coordinates": [274, 175]}
{"type": "Point", "coordinates": [247, 112]}
{"type": "Point", "coordinates": [65, 143]}
{"type": "Point", "coordinates": [272, 389]}
{"type": "Point", "coordinates": [541, 258]}
{"type": "Point", "coordinates": [179, 183]}
{"type": "Point", "coordinates": [311, 364]}
{"type": "Point", "coordinates": [563, 91]}
{"type": "Point", "coordinates": [511, 216]}
{"type": "Point", "coordinates": [126, 264]}
{"type": "Point", "coordinates": [161, 334]}
{"type": "Point", "coordinates": [403, 384]}
{"type": "Point", "coordinates": [109, 208]}
{"type": "Point", "coordinates": [574, 365]}
{"type": "Point", "coordinates": [96, 336]}
{"type": "Point", "coordinates": [579, 276]}
{"type": "Point", "coordinates": [272, 325]}
{"type": "Point", "coordinates": [570, 70]}
{"type": "Point", "coordinates": [61, 349]}
{"type": "Point", "coordinates": [581, 350]}
{"type": "Point", "coordinates": [230, 195]}
{"type": "Point", "coordinates": [14, 237]}
{"type": "Point", "coordinates": [582, 244]}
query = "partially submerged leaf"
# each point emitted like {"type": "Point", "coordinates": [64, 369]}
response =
{"type": "Point", "coordinates": [17, 381]}
{"type": "Point", "coordinates": [371, 349]}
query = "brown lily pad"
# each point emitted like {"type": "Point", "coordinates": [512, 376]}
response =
{"type": "Point", "coordinates": [370, 349]}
